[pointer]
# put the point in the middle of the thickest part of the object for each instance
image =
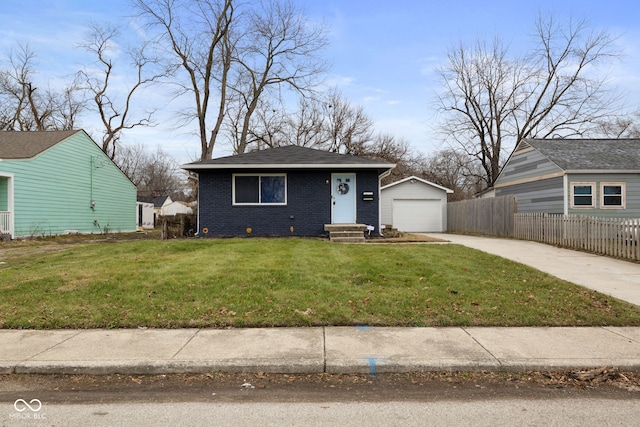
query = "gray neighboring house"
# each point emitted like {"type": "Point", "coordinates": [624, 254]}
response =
{"type": "Point", "coordinates": [597, 177]}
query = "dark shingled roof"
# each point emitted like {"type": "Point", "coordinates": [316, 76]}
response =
{"type": "Point", "coordinates": [158, 201]}
{"type": "Point", "coordinates": [25, 145]}
{"type": "Point", "coordinates": [590, 154]}
{"type": "Point", "coordinates": [289, 156]}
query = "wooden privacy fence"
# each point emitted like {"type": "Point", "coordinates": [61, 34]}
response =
{"type": "Point", "coordinates": [493, 216]}
{"type": "Point", "coordinates": [616, 237]}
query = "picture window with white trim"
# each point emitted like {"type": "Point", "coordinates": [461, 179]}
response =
{"type": "Point", "coordinates": [264, 189]}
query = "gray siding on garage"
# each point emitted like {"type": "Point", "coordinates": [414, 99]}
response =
{"type": "Point", "coordinates": [407, 190]}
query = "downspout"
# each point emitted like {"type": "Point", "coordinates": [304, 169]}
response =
{"type": "Point", "coordinates": [565, 193]}
{"type": "Point", "coordinates": [198, 205]}
{"type": "Point", "coordinates": [92, 164]}
{"type": "Point", "coordinates": [11, 207]}
{"type": "Point", "coordinates": [380, 178]}
{"type": "Point", "coordinates": [194, 176]}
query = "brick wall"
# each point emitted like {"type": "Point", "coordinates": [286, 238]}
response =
{"type": "Point", "coordinates": [308, 206]}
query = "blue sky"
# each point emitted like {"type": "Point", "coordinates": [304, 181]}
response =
{"type": "Point", "coordinates": [383, 53]}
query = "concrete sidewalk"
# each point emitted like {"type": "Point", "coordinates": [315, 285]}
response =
{"type": "Point", "coordinates": [618, 278]}
{"type": "Point", "coordinates": [316, 350]}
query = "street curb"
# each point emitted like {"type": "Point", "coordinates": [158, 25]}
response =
{"type": "Point", "coordinates": [366, 367]}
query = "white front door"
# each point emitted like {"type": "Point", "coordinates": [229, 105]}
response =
{"type": "Point", "coordinates": [343, 198]}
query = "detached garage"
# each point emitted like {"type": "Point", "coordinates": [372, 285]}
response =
{"type": "Point", "coordinates": [414, 205]}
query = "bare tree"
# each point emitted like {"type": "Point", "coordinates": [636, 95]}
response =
{"type": "Point", "coordinates": [70, 104]}
{"type": "Point", "coordinates": [195, 34]}
{"type": "Point", "coordinates": [156, 173]}
{"type": "Point", "coordinates": [329, 122]}
{"type": "Point", "coordinates": [25, 105]}
{"type": "Point", "coordinates": [306, 127]}
{"type": "Point", "coordinates": [622, 127]}
{"type": "Point", "coordinates": [492, 101]}
{"type": "Point", "coordinates": [388, 148]}
{"type": "Point", "coordinates": [131, 159]}
{"type": "Point", "coordinates": [233, 58]}
{"type": "Point", "coordinates": [113, 103]}
{"type": "Point", "coordinates": [161, 175]}
{"type": "Point", "coordinates": [198, 39]}
{"type": "Point", "coordinates": [349, 128]}
{"type": "Point", "coordinates": [277, 50]}
{"type": "Point", "coordinates": [270, 126]}
{"type": "Point", "coordinates": [453, 169]}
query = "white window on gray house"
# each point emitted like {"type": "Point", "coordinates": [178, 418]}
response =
{"type": "Point", "coordinates": [264, 189]}
{"type": "Point", "coordinates": [582, 195]}
{"type": "Point", "coordinates": [612, 195]}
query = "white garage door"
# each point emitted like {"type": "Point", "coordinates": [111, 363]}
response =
{"type": "Point", "coordinates": [417, 215]}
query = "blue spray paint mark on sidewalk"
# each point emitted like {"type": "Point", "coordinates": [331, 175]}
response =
{"type": "Point", "coordinates": [372, 366]}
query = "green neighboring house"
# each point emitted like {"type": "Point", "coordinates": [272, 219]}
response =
{"type": "Point", "coordinates": [58, 182]}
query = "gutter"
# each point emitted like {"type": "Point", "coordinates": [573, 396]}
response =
{"type": "Point", "coordinates": [600, 171]}
{"type": "Point", "coordinates": [380, 178]}
{"type": "Point", "coordinates": [255, 166]}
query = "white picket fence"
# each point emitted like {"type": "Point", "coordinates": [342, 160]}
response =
{"type": "Point", "coordinates": [5, 223]}
{"type": "Point", "coordinates": [615, 237]}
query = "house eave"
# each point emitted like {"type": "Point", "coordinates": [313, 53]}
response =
{"type": "Point", "coordinates": [600, 171]}
{"type": "Point", "coordinates": [192, 167]}
{"type": "Point", "coordinates": [424, 181]}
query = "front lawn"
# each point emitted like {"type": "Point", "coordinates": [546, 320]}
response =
{"type": "Point", "coordinates": [255, 282]}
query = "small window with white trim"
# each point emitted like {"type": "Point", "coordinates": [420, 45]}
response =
{"type": "Point", "coordinates": [612, 195]}
{"type": "Point", "coordinates": [263, 189]}
{"type": "Point", "coordinates": [582, 195]}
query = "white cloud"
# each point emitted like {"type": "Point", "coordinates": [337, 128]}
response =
{"type": "Point", "coordinates": [370, 99]}
{"type": "Point", "coordinates": [339, 81]}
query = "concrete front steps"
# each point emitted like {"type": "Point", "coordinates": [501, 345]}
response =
{"type": "Point", "coordinates": [346, 233]}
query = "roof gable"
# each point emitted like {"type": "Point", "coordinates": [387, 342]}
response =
{"type": "Point", "coordinates": [290, 156]}
{"type": "Point", "coordinates": [26, 145]}
{"type": "Point", "coordinates": [160, 201]}
{"type": "Point", "coordinates": [415, 178]}
{"type": "Point", "coordinates": [589, 154]}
